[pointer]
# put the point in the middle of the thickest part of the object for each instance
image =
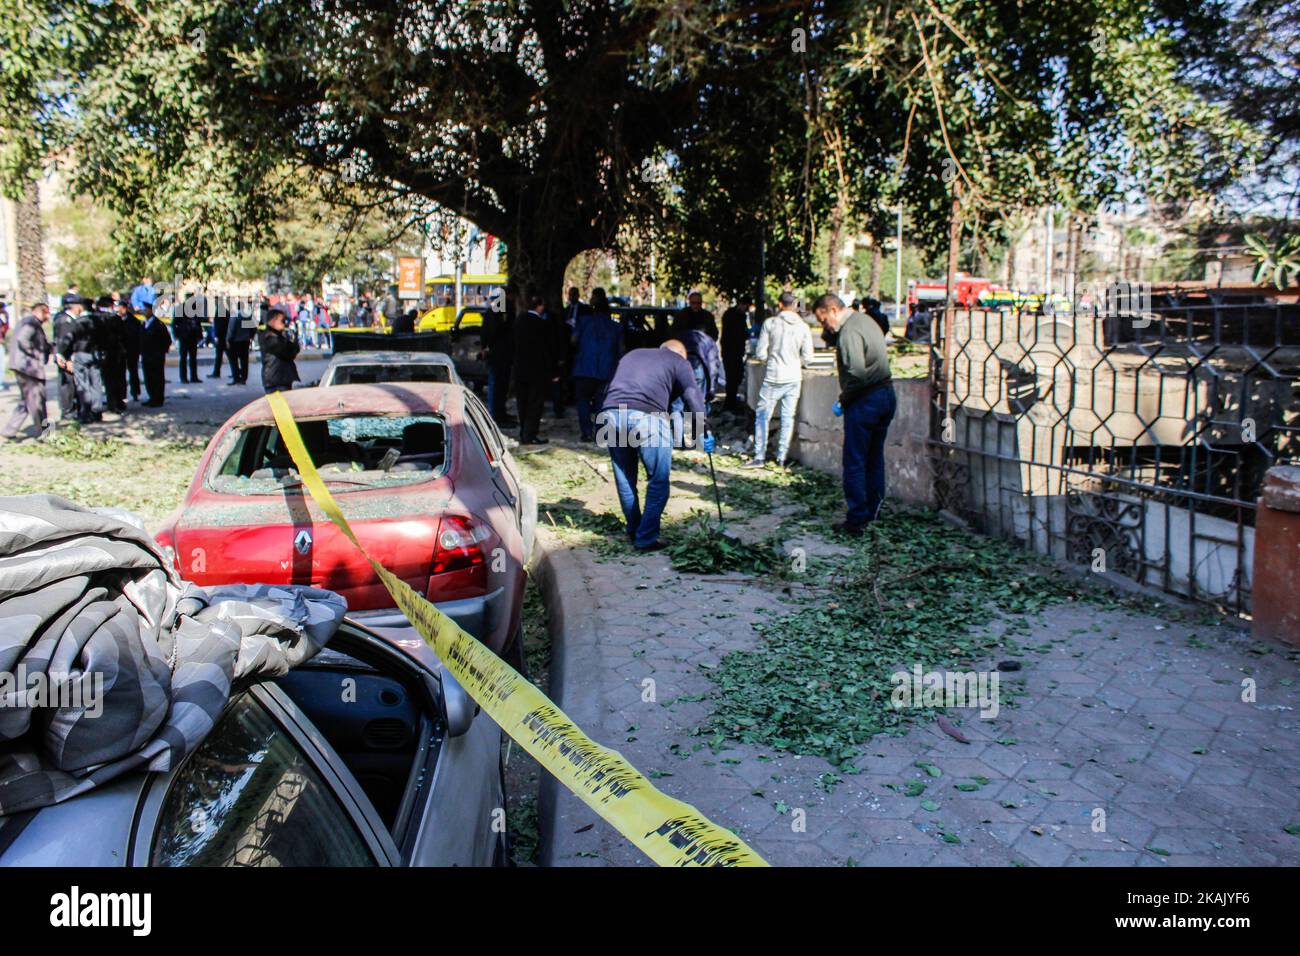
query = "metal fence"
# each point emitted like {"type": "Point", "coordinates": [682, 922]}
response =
{"type": "Point", "coordinates": [1132, 437]}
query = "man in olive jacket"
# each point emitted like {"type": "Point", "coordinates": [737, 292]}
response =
{"type": "Point", "coordinates": [279, 350]}
{"type": "Point", "coordinates": [29, 351]}
{"type": "Point", "coordinates": [867, 402]}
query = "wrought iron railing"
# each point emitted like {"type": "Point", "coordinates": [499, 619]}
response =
{"type": "Point", "coordinates": [1131, 439]}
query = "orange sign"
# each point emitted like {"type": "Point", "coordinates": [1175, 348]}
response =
{"type": "Point", "coordinates": [410, 277]}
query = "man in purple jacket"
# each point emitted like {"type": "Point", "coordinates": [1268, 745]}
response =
{"type": "Point", "coordinates": [634, 425]}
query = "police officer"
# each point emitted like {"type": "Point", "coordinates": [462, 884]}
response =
{"type": "Point", "coordinates": [68, 315]}
{"type": "Point", "coordinates": [110, 334]}
{"type": "Point", "coordinates": [77, 355]}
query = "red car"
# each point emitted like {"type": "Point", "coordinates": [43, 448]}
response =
{"type": "Point", "coordinates": [422, 475]}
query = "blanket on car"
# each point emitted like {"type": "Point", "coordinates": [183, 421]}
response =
{"type": "Point", "coordinates": [109, 662]}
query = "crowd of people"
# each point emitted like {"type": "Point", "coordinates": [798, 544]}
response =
{"type": "Point", "coordinates": [632, 377]}
{"type": "Point", "coordinates": [117, 346]}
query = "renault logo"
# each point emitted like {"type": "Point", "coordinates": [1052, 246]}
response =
{"type": "Point", "coordinates": [302, 541]}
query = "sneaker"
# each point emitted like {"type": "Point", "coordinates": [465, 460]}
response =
{"type": "Point", "coordinates": [851, 530]}
{"type": "Point", "coordinates": [656, 546]}
{"type": "Point", "coordinates": [753, 463]}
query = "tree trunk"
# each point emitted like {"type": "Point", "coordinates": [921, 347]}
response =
{"type": "Point", "coordinates": [877, 262]}
{"type": "Point", "coordinates": [31, 255]}
{"type": "Point", "coordinates": [834, 250]}
{"type": "Point", "coordinates": [535, 262]}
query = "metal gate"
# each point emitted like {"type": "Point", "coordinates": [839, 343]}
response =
{"type": "Point", "coordinates": [1132, 436]}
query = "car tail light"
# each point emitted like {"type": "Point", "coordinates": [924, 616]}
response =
{"type": "Point", "coordinates": [458, 544]}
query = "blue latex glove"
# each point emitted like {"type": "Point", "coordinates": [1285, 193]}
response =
{"type": "Point", "coordinates": [708, 443]}
{"type": "Point", "coordinates": [837, 410]}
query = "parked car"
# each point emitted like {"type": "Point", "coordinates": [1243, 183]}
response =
{"type": "Point", "coordinates": [367, 755]}
{"type": "Point", "coordinates": [463, 342]}
{"type": "Point", "coordinates": [423, 476]}
{"type": "Point", "coordinates": [368, 368]}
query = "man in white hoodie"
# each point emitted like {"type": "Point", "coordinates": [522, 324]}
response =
{"type": "Point", "coordinates": [785, 345]}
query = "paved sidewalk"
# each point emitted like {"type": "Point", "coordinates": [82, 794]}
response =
{"type": "Point", "coordinates": [1128, 744]}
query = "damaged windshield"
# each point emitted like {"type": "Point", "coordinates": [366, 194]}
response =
{"type": "Point", "coordinates": [352, 453]}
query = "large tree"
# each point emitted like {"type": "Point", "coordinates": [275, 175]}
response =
{"type": "Point", "coordinates": [697, 127]}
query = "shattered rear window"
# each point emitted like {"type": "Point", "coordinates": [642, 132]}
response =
{"type": "Point", "coordinates": [389, 372]}
{"type": "Point", "coordinates": [352, 453]}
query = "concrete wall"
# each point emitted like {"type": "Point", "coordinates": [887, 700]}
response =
{"type": "Point", "coordinates": [819, 435]}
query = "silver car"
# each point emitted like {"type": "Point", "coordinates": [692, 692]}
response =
{"type": "Point", "coordinates": [370, 754]}
{"type": "Point", "coordinates": [369, 368]}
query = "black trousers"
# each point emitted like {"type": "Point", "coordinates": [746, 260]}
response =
{"type": "Point", "coordinates": [155, 378]}
{"type": "Point", "coordinates": [733, 366]}
{"type": "Point", "coordinates": [133, 372]}
{"type": "Point", "coordinates": [530, 394]}
{"type": "Point", "coordinates": [190, 359]}
{"type": "Point", "coordinates": [114, 372]}
{"type": "Point", "coordinates": [219, 348]}
{"type": "Point", "coordinates": [67, 396]}
{"type": "Point", "coordinates": [238, 352]}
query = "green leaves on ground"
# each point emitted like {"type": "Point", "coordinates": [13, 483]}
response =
{"type": "Point", "coordinates": [701, 548]}
{"type": "Point", "coordinates": [916, 590]}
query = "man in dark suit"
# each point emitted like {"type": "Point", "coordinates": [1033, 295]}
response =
{"type": "Point", "coordinates": [498, 338]}
{"type": "Point", "coordinates": [239, 338]}
{"type": "Point", "coordinates": [735, 336]}
{"type": "Point", "coordinates": [695, 318]}
{"type": "Point", "coordinates": [220, 334]}
{"type": "Point", "coordinates": [187, 327]}
{"type": "Point", "coordinates": [155, 343]}
{"type": "Point", "coordinates": [130, 344]}
{"type": "Point", "coordinates": [536, 366]}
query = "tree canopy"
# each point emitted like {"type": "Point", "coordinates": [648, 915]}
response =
{"type": "Point", "coordinates": [695, 128]}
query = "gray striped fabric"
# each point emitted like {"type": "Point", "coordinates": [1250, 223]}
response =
{"type": "Point", "coordinates": [109, 662]}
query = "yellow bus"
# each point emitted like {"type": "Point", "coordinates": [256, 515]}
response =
{"type": "Point", "coordinates": [476, 292]}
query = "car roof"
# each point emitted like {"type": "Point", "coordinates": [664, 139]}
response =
{"type": "Point", "coordinates": [383, 398]}
{"type": "Point", "coordinates": [395, 357]}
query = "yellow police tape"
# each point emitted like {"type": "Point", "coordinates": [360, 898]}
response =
{"type": "Point", "coordinates": [670, 832]}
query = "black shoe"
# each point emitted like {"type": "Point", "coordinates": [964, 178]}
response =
{"type": "Point", "coordinates": [153, 404]}
{"type": "Point", "coordinates": [535, 440]}
{"type": "Point", "coordinates": [507, 421]}
{"type": "Point", "coordinates": [656, 546]}
{"type": "Point", "coordinates": [234, 383]}
{"type": "Point", "coordinates": [851, 530]}
{"type": "Point", "coordinates": [214, 375]}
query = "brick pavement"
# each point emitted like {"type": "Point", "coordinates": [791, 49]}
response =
{"type": "Point", "coordinates": [1123, 714]}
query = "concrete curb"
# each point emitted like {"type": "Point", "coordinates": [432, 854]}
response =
{"type": "Point", "coordinates": [575, 651]}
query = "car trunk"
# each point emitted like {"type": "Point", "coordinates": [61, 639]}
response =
{"type": "Point", "coordinates": [257, 539]}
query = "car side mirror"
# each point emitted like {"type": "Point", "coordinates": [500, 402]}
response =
{"type": "Point", "coordinates": [458, 708]}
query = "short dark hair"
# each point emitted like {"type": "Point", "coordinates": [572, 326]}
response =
{"type": "Point", "coordinates": [787, 300]}
{"type": "Point", "coordinates": [276, 310]}
{"type": "Point", "coordinates": [828, 300]}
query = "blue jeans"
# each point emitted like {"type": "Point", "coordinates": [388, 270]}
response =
{"type": "Point", "coordinates": [866, 422]}
{"type": "Point", "coordinates": [588, 394]}
{"type": "Point", "coordinates": [784, 397]}
{"type": "Point", "coordinates": [633, 436]}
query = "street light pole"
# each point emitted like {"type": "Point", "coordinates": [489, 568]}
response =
{"type": "Point", "coordinates": [1047, 266]}
{"type": "Point", "coordinates": [898, 268]}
